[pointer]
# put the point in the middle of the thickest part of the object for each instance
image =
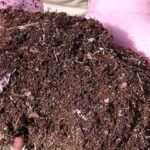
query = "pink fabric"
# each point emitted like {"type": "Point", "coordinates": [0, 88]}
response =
{"type": "Point", "coordinates": [127, 20]}
{"type": "Point", "coordinates": [27, 5]}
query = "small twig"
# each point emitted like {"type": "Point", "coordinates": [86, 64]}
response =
{"type": "Point", "coordinates": [140, 81]}
{"type": "Point", "coordinates": [27, 25]}
{"type": "Point", "coordinates": [79, 113]}
{"type": "Point", "coordinates": [35, 147]}
{"type": "Point", "coordinates": [21, 27]}
{"type": "Point", "coordinates": [96, 52]}
{"type": "Point", "coordinates": [17, 121]}
{"type": "Point", "coordinates": [43, 39]}
{"type": "Point", "coordinates": [78, 61]}
{"type": "Point", "coordinates": [55, 55]}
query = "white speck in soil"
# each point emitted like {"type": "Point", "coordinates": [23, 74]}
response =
{"type": "Point", "coordinates": [106, 100]}
{"type": "Point", "coordinates": [4, 81]}
{"type": "Point", "coordinates": [89, 56]}
{"type": "Point", "coordinates": [101, 48]}
{"type": "Point", "coordinates": [90, 39]}
{"type": "Point", "coordinates": [79, 113]}
{"type": "Point", "coordinates": [120, 113]}
{"type": "Point", "coordinates": [106, 132]}
{"type": "Point", "coordinates": [124, 85]}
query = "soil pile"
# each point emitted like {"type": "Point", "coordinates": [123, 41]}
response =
{"type": "Point", "coordinates": [65, 85]}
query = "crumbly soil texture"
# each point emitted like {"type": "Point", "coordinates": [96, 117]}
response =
{"type": "Point", "coordinates": [64, 85]}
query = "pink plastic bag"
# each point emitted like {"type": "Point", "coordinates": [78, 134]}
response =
{"type": "Point", "coordinates": [127, 20]}
{"type": "Point", "coordinates": [27, 5]}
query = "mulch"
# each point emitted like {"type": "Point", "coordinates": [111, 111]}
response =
{"type": "Point", "coordinates": [65, 85]}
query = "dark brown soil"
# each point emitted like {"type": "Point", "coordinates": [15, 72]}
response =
{"type": "Point", "coordinates": [64, 85]}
